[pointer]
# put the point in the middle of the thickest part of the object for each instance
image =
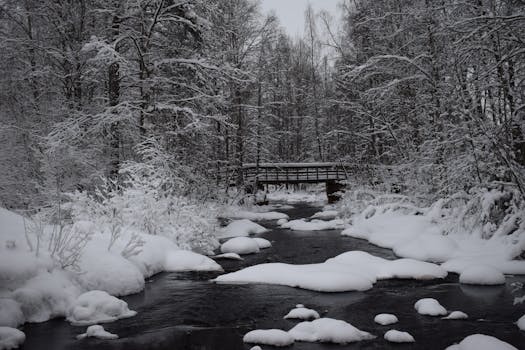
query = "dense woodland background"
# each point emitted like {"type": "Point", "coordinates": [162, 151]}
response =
{"type": "Point", "coordinates": [427, 95]}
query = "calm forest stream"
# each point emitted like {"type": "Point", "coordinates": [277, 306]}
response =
{"type": "Point", "coordinates": [187, 311]}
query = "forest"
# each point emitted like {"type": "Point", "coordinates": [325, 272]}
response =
{"type": "Point", "coordinates": [126, 124]}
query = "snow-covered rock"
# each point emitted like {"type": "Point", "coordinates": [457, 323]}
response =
{"type": "Point", "coordinates": [430, 307]}
{"type": "Point", "coordinates": [256, 347]}
{"type": "Point", "coordinates": [328, 330]}
{"type": "Point", "coordinates": [98, 307]}
{"type": "Point", "coordinates": [231, 256]}
{"type": "Point", "coordinates": [273, 337]}
{"type": "Point", "coordinates": [326, 215]}
{"type": "Point", "coordinates": [302, 313]}
{"type": "Point", "coordinates": [184, 260]}
{"type": "Point", "coordinates": [314, 225]}
{"type": "Point", "coordinates": [11, 338]}
{"type": "Point", "coordinates": [281, 222]}
{"type": "Point", "coordinates": [482, 275]}
{"type": "Point", "coordinates": [456, 315]}
{"type": "Point", "coordinates": [97, 331]}
{"type": "Point", "coordinates": [521, 323]}
{"type": "Point", "coordinates": [11, 314]}
{"type": "Point", "coordinates": [240, 228]}
{"type": "Point", "coordinates": [240, 245]}
{"type": "Point", "coordinates": [395, 336]}
{"type": "Point", "coordinates": [385, 319]}
{"type": "Point", "coordinates": [262, 243]}
{"type": "Point", "coordinates": [481, 342]}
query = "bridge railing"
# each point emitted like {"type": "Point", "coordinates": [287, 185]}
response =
{"type": "Point", "coordinates": [294, 172]}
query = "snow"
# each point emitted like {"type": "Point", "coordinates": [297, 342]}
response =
{"type": "Point", "coordinates": [240, 245]}
{"type": "Point", "coordinates": [11, 338]}
{"type": "Point", "coordinates": [97, 331]}
{"type": "Point", "coordinates": [430, 307]}
{"type": "Point", "coordinates": [250, 215]}
{"type": "Point", "coordinates": [385, 319]}
{"type": "Point", "coordinates": [231, 256]}
{"type": "Point", "coordinates": [262, 243]}
{"type": "Point", "coordinates": [456, 315]}
{"type": "Point", "coordinates": [505, 266]}
{"type": "Point", "coordinates": [314, 225]}
{"type": "Point", "coordinates": [302, 313]}
{"type": "Point", "coordinates": [326, 215]}
{"type": "Point", "coordinates": [184, 260]}
{"type": "Point", "coordinates": [273, 337]}
{"type": "Point", "coordinates": [481, 342]}
{"type": "Point", "coordinates": [481, 275]}
{"type": "Point", "coordinates": [328, 330]}
{"type": "Point", "coordinates": [521, 323]}
{"type": "Point", "coordinates": [10, 313]}
{"type": "Point", "coordinates": [281, 222]}
{"type": "Point", "coordinates": [297, 196]}
{"type": "Point", "coordinates": [395, 336]}
{"type": "Point", "coordinates": [256, 347]}
{"type": "Point", "coordinates": [240, 228]}
{"type": "Point", "coordinates": [350, 271]}
{"type": "Point", "coordinates": [98, 307]}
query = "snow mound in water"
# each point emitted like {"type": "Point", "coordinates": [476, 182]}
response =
{"type": "Point", "coordinates": [184, 260]}
{"type": "Point", "coordinates": [302, 313]}
{"type": "Point", "coordinates": [97, 331]}
{"type": "Point", "coordinates": [385, 319]}
{"type": "Point", "coordinates": [317, 277]}
{"type": "Point", "coordinates": [262, 243]}
{"type": "Point", "coordinates": [231, 256]}
{"type": "Point", "coordinates": [98, 307]}
{"type": "Point", "coordinates": [351, 271]}
{"type": "Point", "coordinates": [11, 338]}
{"type": "Point", "coordinates": [328, 330]}
{"type": "Point", "coordinates": [521, 323]}
{"type": "Point", "coordinates": [481, 342]}
{"type": "Point", "coordinates": [240, 245]}
{"type": "Point", "coordinates": [430, 307]}
{"type": "Point", "coordinates": [456, 315]}
{"type": "Point", "coordinates": [314, 225]}
{"type": "Point", "coordinates": [240, 228]}
{"type": "Point", "coordinates": [273, 337]}
{"type": "Point", "coordinates": [271, 215]}
{"type": "Point", "coordinates": [10, 313]}
{"type": "Point", "coordinates": [326, 215]}
{"type": "Point", "coordinates": [256, 347]}
{"type": "Point", "coordinates": [482, 275]}
{"type": "Point", "coordinates": [281, 222]}
{"type": "Point", "coordinates": [395, 336]}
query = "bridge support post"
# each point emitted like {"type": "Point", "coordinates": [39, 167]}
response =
{"type": "Point", "coordinates": [334, 190]}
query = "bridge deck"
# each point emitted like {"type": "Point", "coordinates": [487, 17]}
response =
{"type": "Point", "coordinates": [279, 173]}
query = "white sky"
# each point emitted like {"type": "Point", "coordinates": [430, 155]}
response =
{"type": "Point", "coordinates": [291, 12]}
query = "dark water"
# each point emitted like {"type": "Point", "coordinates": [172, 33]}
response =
{"type": "Point", "coordinates": [186, 311]}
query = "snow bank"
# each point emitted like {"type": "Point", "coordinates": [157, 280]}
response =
{"type": "Point", "coordinates": [239, 228]}
{"type": "Point", "coordinates": [184, 260]}
{"type": "Point", "coordinates": [430, 307]}
{"type": "Point", "coordinates": [98, 307]}
{"type": "Point", "coordinates": [240, 245]}
{"type": "Point", "coordinates": [511, 267]}
{"type": "Point", "coordinates": [481, 342]}
{"type": "Point", "coordinates": [97, 331]}
{"type": "Point", "coordinates": [326, 215]}
{"type": "Point", "coordinates": [481, 275]}
{"type": "Point", "coordinates": [273, 337]}
{"type": "Point", "coordinates": [11, 314]}
{"type": "Point", "coordinates": [302, 313]}
{"type": "Point", "coordinates": [11, 338]}
{"type": "Point", "coordinates": [385, 319]}
{"type": "Point", "coordinates": [314, 225]}
{"type": "Point", "coordinates": [350, 271]}
{"type": "Point", "coordinates": [328, 330]}
{"type": "Point", "coordinates": [395, 336]}
{"type": "Point", "coordinates": [521, 323]}
{"type": "Point", "coordinates": [456, 315]}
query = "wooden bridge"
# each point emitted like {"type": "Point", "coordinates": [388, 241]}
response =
{"type": "Point", "coordinates": [293, 173]}
{"type": "Point", "coordinates": [255, 176]}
